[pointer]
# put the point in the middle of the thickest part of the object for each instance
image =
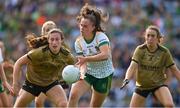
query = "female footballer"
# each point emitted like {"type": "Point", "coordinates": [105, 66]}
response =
{"type": "Point", "coordinates": [35, 42]}
{"type": "Point", "coordinates": [94, 58]}
{"type": "Point", "coordinates": [3, 83]}
{"type": "Point", "coordinates": [44, 65]}
{"type": "Point", "coordinates": [150, 61]}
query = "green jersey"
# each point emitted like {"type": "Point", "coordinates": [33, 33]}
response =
{"type": "Point", "coordinates": [151, 66]}
{"type": "Point", "coordinates": [45, 67]}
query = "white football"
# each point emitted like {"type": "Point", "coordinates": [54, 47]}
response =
{"type": "Point", "coordinates": [71, 74]}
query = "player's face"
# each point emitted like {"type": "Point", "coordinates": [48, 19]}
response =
{"type": "Point", "coordinates": [151, 37]}
{"type": "Point", "coordinates": [86, 27]}
{"type": "Point", "coordinates": [55, 42]}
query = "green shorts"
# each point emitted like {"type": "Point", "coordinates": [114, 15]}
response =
{"type": "Point", "coordinates": [101, 85]}
{"type": "Point", "coordinates": [1, 87]}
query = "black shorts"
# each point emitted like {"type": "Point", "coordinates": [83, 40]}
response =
{"type": "Point", "coordinates": [145, 93]}
{"type": "Point", "coordinates": [35, 89]}
{"type": "Point", "coordinates": [63, 84]}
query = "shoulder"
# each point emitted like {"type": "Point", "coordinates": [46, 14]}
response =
{"type": "Point", "coordinates": [79, 38]}
{"type": "Point", "coordinates": [101, 37]}
{"type": "Point", "coordinates": [142, 46]}
{"type": "Point", "coordinates": [101, 34]}
{"type": "Point", "coordinates": [38, 50]}
{"type": "Point", "coordinates": [64, 51]}
{"type": "Point", "coordinates": [163, 48]}
{"type": "Point", "coordinates": [140, 49]}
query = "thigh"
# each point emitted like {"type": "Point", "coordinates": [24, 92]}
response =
{"type": "Point", "coordinates": [4, 99]}
{"type": "Point", "coordinates": [79, 88]}
{"type": "Point", "coordinates": [97, 99]}
{"type": "Point", "coordinates": [41, 97]}
{"type": "Point", "coordinates": [24, 98]}
{"type": "Point", "coordinates": [39, 101]}
{"type": "Point", "coordinates": [56, 94]}
{"type": "Point", "coordinates": [164, 96]}
{"type": "Point", "coordinates": [137, 100]}
{"type": "Point", "coordinates": [1, 105]}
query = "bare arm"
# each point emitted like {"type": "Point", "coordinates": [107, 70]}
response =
{"type": "Point", "coordinates": [83, 69]}
{"type": "Point", "coordinates": [131, 70]}
{"type": "Point", "coordinates": [104, 54]}
{"type": "Point", "coordinates": [3, 77]}
{"type": "Point", "coordinates": [175, 71]}
{"type": "Point", "coordinates": [129, 74]}
{"type": "Point", "coordinates": [17, 68]}
{"type": "Point", "coordinates": [17, 73]}
{"type": "Point", "coordinates": [4, 80]}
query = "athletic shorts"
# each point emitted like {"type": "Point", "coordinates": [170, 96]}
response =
{"type": "Point", "coordinates": [35, 89]}
{"type": "Point", "coordinates": [101, 85]}
{"type": "Point", "coordinates": [145, 93]}
{"type": "Point", "coordinates": [63, 84]}
{"type": "Point", "coordinates": [1, 87]}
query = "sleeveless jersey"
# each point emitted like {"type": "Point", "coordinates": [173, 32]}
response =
{"type": "Point", "coordinates": [151, 66]}
{"type": "Point", "coordinates": [45, 67]}
{"type": "Point", "coordinates": [99, 69]}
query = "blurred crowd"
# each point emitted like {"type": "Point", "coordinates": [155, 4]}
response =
{"type": "Point", "coordinates": [127, 22]}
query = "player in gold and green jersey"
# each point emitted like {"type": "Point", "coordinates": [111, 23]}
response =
{"type": "Point", "coordinates": [36, 42]}
{"type": "Point", "coordinates": [44, 65]}
{"type": "Point", "coordinates": [150, 61]}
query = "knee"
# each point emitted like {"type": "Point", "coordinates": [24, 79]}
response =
{"type": "Point", "coordinates": [39, 103]}
{"type": "Point", "coordinates": [169, 105]}
{"type": "Point", "coordinates": [62, 104]}
{"type": "Point", "coordinates": [74, 96]}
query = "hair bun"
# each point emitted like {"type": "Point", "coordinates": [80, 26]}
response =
{"type": "Point", "coordinates": [104, 14]}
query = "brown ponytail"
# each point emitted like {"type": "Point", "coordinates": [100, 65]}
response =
{"type": "Point", "coordinates": [35, 42]}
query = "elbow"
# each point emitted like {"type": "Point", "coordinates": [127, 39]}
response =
{"type": "Point", "coordinates": [105, 56]}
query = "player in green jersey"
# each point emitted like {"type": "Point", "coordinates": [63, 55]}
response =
{"type": "Point", "coordinates": [4, 102]}
{"type": "Point", "coordinates": [150, 62]}
{"type": "Point", "coordinates": [44, 65]}
{"type": "Point", "coordinates": [94, 58]}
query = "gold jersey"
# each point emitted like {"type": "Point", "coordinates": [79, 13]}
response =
{"type": "Point", "coordinates": [151, 66]}
{"type": "Point", "coordinates": [45, 67]}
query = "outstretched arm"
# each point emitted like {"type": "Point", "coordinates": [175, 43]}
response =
{"type": "Point", "coordinates": [129, 74]}
{"type": "Point", "coordinates": [103, 55]}
{"type": "Point", "coordinates": [131, 70]}
{"type": "Point", "coordinates": [3, 77]}
{"type": "Point", "coordinates": [17, 72]}
{"type": "Point", "coordinates": [83, 69]}
{"type": "Point", "coordinates": [4, 80]}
